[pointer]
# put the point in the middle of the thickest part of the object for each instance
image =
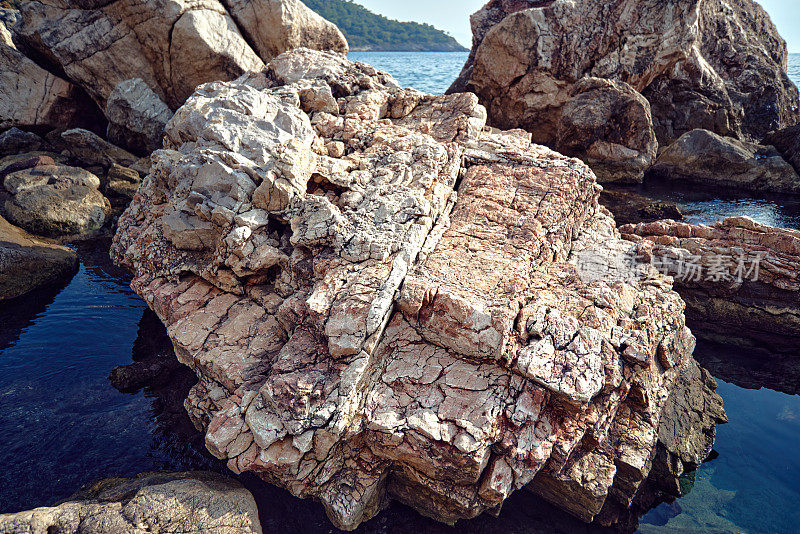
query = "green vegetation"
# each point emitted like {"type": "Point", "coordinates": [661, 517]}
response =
{"type": "Point", "coordinates": [366, 30]}
{"type": "Point", "coordinates": [9, 4]}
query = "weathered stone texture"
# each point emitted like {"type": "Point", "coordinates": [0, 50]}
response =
{"type": "Point", "coordinates": [746, 284]}
{"type": "Point", "coordinates": [381, 298]}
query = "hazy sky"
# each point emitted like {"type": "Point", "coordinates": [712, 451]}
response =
{"type": "Point", "coordinates": [453, 15]}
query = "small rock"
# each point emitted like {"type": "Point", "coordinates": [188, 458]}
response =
{"type": "Point", "coordinates": [335, 149]}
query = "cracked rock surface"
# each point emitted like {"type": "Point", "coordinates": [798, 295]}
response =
{"type": "Point", "coordinates": [719, 65]}
{"type": "Point", "coordinates": [740, 279]}
{"type": "Point", "coordinates": [383, 299]}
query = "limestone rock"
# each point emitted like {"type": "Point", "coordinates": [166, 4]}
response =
{"type": "Point", "coordinates": [713, 64]}
{"type": "Point", "coordinates": [136, 117]}
{"type": "Point", "coordinates": [32, 96]}
{"type": "Point", "coordinates": [787, 142]}
{"type": "Point", "coordinates": [159, 503]}
{"type": "Point", "coordinates": [608, 125]}
{"type": "Point", "coordinates": [172, 45]}
{"type": "Point", "coordinates": [275, 26]}
{"type": "Point", "coordinates": [740, 279]}
{"type": "Point", "coordinates": [55, 200]}
{"type": "Point", "coordinates": [27, 263]}
{"type": "Point", "coordinates": [708, 159]}
{"type": "Point", "coordinates": [361, 330]}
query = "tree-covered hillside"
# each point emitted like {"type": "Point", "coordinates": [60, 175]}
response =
{"type": "Point", "coordinates": [366, 30]}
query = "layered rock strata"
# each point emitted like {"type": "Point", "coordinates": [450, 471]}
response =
{"type": "Point", "coordinates": [711, 64]}
{"type": "Point", "coordinates": [383, 299]}
{"type": "Point", "coordinates": [740, 279]}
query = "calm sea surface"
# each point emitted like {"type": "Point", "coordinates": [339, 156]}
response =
{"type": "Point", "coordinates": [63, 425]}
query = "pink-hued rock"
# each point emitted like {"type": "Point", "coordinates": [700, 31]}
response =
{"type": "Point", "coordinates": [740, 279]}
{"type": "Point", "coordinates": [383, 299]}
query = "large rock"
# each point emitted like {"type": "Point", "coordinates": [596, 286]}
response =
{"type": "Point", "coordinates": [740, 279]}
{"type": "Point", "coordinates": [787, 142]}
{"type": "Point", "coordinates": [136, 117]}
{"type": "Point", "coordinates": [362, 331]}
{"type": "Point", "coordinates": [55, 200]}
{"type": "Point", "coordinates": [713, 64]}
{"type": "Point", "coordinates": [31, 96]}
{"type": "Point", "coordinates": [157, 503]}
{"type": "Point", "coordinates": [172, 45]}
{"type": "Point", "coordinates": [710, 160]}
{"type": "Point", "coordinates": [27, 263]}
{"type": "Point", "coordinates": [608, 125]}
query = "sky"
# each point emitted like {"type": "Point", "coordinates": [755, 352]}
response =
{"type": "Point", "coordinates": [452, 16]}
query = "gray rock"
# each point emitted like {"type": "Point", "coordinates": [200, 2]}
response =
{"type": "Point", "coordinates": [157, 503]}
{"type": "Point", "coordinates": [32, 96]}
{"type": "Point", "coordinates": [787, 141]}
{"type": "Point", "coordinates": [15, 141]}
{"type": "Point", "coordinates": [92, 150]}
{"type": "Point", "coordinates": [27, 263]}
{"type": "Point", "coordinates": [608, 125]}
{"type": "Point", "coordinates": [55, 200]}
{"type": "Point", "coordinates": [705, 158]}
{"type": "Point", "coordinates": [136, 116]}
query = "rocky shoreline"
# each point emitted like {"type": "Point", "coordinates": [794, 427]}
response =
{"type": "Point", "coordinates": [387, 295]}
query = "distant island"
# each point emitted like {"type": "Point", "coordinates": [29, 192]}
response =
{"type": "Point", "coordinates": [366, 30]}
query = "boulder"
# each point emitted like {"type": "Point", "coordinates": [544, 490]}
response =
{"type": "Point", "coordinates": [275, 26]}
{"type": "Point", "coordinates": [27, 263]}
{"type": "Point", "coordinates": [740, 279]}
{"type": "Point", "coordinates": [91, 150]}
{"type": "Point", "coordinates": [136, 117]}
{"type": "Point", "coordinates": [608, 125]}
{"type": "Point", "coordinates": [713, 64]}
{"type": "Point", "coordinates": [33, 97]}
{"type": "Point", "coordinates": [707, 159]}
{"type": "Point", "coordinates": [158, 503]}
{"type": "Point", "coordinates": [171, 46]}
{"type": "Point", "coordinates": [15, 141]}
{"type": "Point", "coordinates": [438, 313]}
{"type": "Point", "coordinates": [787, 142]}
{"type": "Point", "coordinates": [55, 200]}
